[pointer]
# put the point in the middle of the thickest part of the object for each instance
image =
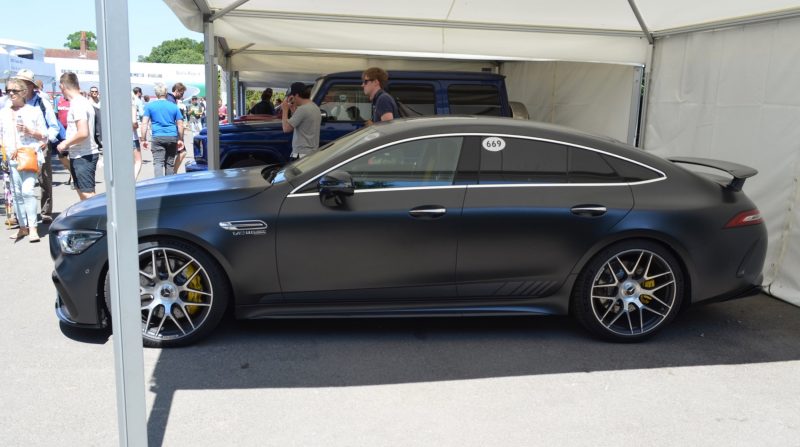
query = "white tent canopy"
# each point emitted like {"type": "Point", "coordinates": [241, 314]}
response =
{"type": "Point", "coordinates": [567, 30]}
{"type": "Point", "coordinates": [719, 68]}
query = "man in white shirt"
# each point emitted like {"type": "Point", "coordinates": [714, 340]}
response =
{"type": "Point", "coordinates": [83, 151]}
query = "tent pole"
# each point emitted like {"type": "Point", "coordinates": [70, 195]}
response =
{"type": "Point", "coordinates": [212, 122]}
{"type": "Point", "coordinates": [122, 235]}
{"type": "Point", "coordinates": [648, 77]}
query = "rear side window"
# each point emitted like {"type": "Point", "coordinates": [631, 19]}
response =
{"type": "Point", "coordinates": [516, 160]}
{"type": "Point", "coordinates": [587, 166]}
{"type": "Point", "coordinates": [414, 99]}
{"type": "Point", "coordinates": [474, 100]}
{"type": "Point", "coordinates": [631, 172]}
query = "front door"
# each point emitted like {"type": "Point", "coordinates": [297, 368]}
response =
{"type": "Point", "coordinates": [394, 239]}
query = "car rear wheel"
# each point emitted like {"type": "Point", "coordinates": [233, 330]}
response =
{"type": "Point", "coordinates": [183, 293]}
{"type": "Point", "coordinates": [629, 291]}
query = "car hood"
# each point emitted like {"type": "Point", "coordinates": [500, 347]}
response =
{"type": "Point", "coordinates": [187, 189]}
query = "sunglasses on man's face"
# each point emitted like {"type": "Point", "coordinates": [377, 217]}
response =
{"type": "Point", "coordinates": [93, 91]}
{"type": "Point", "coordinates": [13, 90]}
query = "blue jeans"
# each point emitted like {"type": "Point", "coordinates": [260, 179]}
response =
{"type": "Point", "coordinates": [22, 185]}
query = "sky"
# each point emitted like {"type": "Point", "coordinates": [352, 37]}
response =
{"type": "Point", "coordinates": [150, 22]}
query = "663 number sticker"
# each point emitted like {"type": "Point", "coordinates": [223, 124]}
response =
{"type": "Point", "coordinates": [493, 144]}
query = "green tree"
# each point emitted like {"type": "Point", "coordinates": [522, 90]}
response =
{"type": "Point", "coordinates": [74, 41]}
{"type": "Point", "coordinates": [176, 51]}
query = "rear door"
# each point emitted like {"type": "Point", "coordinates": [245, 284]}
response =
{"type": "Point", "coordinates": [537, 208]}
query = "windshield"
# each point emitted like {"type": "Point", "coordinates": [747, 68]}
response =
{"type": "Point", "coordinates": [326, 153]}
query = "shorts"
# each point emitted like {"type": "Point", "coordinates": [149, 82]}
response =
{"type": "Point", "coordinates": [83, 170]}
{"type": "Point", "coordinates": [136, 145]}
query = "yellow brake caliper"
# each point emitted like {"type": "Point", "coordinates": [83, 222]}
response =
{"type": "Point", "coordinates": [647, 299]}
{"type": "Point", "coordinates": [197, 284]}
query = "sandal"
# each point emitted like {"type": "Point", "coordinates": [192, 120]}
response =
{"type": "Point", "coordinates": [20, 234]}
{"type": "Point", "coordinates": [33, 236]}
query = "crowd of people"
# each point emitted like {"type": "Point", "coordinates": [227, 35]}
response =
{"type": "Point", "coordinates": [32, 129]}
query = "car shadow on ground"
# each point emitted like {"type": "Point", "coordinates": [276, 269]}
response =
{"type": "Point", "coordinates": [340, 353]}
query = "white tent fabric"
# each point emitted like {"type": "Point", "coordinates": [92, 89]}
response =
{"type": "Point", "coordinates": [731, 95]}
{"type": "Point", "coordinates": [722, 75]}
{"type": "Point", "coordinates": [596, 98]}
{"type": "Point", "coordinates": [572, 30]}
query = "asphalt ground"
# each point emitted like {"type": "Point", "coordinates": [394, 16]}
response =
{"type": "Point", "coordinates": [720, 374]}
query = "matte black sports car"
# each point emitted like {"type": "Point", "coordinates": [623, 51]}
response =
{"type": "Point", "coordinates": [431, 216]}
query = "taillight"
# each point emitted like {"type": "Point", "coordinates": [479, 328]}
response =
{"type": "Point", "coordinates": [751, 217]}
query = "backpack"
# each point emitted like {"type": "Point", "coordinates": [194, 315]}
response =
{"type": "Point", "coordinates": [61, 135]}
{"type": "Point", "coordinates": [97, 129]}
{"type": "Point", "coordinates": [405, 111]}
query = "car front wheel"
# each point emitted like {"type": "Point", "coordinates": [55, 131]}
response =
{"type": "Point", "coordinates": [183, 293]}
{"type": "Point", "coordinates": [628, 291]}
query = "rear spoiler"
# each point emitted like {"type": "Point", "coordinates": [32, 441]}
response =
{"type": "Point", "coordinates": [739, 172]}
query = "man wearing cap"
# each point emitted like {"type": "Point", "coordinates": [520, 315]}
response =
{"type": "Point", "coordinates": [305, 121]}
{"type": "Point", "coordinates": [34, 99]}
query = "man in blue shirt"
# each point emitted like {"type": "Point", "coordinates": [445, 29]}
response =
{"type": "Point", "coordinates": [384, 108]}
{"type": "Point", "coordinates": [167, 131]}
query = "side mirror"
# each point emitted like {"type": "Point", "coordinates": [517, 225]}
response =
{"type": "Point", "coordinates": [335, 186]}
{"type": "Point", "coordinates": [324, 114]}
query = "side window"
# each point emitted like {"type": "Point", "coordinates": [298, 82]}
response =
{"type": "Point", "coordinates": [631, 172]}
{"type": "Point", "coordinates": [346, 102]}
{"type": "Point", "coordinates": [587, 166]}
{"type": "Point", "coordinates": [516, 160]}
{"type": "Point", "coordinates": [414, 99]}
{"type": "Point", "coordinates": [474, 100]}
{"type": "Point", "coordinates": [428, 162]}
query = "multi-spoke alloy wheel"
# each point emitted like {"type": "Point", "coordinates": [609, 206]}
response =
{"type": "Point", "coordinates": [628, 291]}
{"type": "Point", "coordinates": [181, 291]}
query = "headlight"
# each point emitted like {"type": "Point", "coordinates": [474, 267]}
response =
{"type": "Point", "coordinates": [73, 242]}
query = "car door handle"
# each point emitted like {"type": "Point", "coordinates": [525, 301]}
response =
{"type": "Point", "coordinates": [428, 211]}
{"type": "Point", "coordinates": [589, 210]}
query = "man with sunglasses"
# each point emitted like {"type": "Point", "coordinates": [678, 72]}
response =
{"type": "Point", "coordinates": [35, 99]}
{"type": "Point", "coordinates": [384, 107]}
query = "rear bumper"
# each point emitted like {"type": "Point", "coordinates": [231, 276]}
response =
{"type": "Point", "coordinates": [743, 292]}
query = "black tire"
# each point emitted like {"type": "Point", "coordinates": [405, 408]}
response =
{"type": "Point", "coordinates": [184, 299]}
{"type": "Point", "coordinates": [629, 291]}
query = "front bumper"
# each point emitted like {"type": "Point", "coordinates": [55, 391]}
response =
{"type": "Point", "coordinates": [79, 281]}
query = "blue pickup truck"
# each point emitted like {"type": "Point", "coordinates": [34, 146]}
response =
{"type": "Point", "coordinates": [345, 108]}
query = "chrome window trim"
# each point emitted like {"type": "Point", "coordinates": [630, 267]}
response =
{"type": "Point", "coordinates": [363, 191]}
{"type": "Point", "coordinates": [663, 176]}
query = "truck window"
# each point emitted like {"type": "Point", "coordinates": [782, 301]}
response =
{"type": "Point", "coordinates": [346, 102]}
{"type": "Point", "coordinates": [474, 100]}
{"type": "Point", "coordinates": [415, 99]}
